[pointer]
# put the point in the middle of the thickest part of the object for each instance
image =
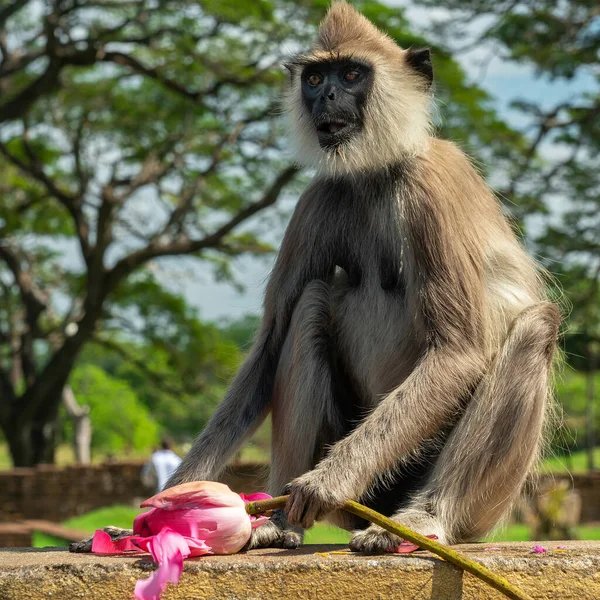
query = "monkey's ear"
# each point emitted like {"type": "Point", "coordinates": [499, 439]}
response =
{"type": "Point", "coordinates": [290, 67]}
{"type": "Point", "coordinates": [420, 61]}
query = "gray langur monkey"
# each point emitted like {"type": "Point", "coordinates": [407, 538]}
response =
{"type": "Point", "coordinates": [405, 350]}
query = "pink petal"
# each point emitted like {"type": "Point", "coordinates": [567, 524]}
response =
{"type": "Point", "coordinates": [406, 547]}
{"type": "Point", "coordinates": [168, 549]}
{"type": "Point", "coordinates": [198, 547]}
{"type": "Point", "coordinates": [140, 523]}
{"type": "Point", "coordinates": [195, 547]}
{"type": "Point", "coordinates": [194, 495]}
{"type": "Point", "coordinates": [255, 497]}
{"type": "Point", "coordinates": [257, 521]}
{"type": "Point", "coordinates": [168, 544]}
{"type": "Point", "coordinates": [102, 544]}
{"type": "Point", "coordinates": [538, 550]}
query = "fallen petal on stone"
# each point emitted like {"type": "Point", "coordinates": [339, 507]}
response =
{"type": "Point", "coordinates": [103, 544]}
{"type": "Point", "coordinates": [406, 547]}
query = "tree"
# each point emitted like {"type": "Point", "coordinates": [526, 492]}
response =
{"type": "Point", "coordinates": [121, 421]}
{"type": "Point", "coordinates": [178, 366]}
{"type": "Point", "coordinates": [132, 131]}
{"type": "Point", "coordinates": [241, 331]}
{"type": "Point", "coordinates": [121, 121]}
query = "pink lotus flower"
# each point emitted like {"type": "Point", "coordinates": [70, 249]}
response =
{"type": "Point", "coordinates": [193, 519]}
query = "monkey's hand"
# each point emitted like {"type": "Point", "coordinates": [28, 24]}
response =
{"type": "Point", "coordinates": [312, 496]}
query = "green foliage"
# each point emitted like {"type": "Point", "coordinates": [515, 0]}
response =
{"type": "Point", "coordinates": [121, 423]}
{"type": "Point", "coordinates": [574, 462]}
{"type": "Point", "coordinates": [241, 331]}
{"type": "Point", "coordinates": [117, 515]}
{"type": "Point", "coordinates": [323, 533]}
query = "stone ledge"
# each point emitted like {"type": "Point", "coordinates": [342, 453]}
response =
{"type": "Point", "coordinates": [50, 573]}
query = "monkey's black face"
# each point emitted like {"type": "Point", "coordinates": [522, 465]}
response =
{"type": "Point", "coordinates": [335, 94]}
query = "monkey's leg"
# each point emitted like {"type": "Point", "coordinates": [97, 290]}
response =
{"type": "Point", "coordinates": [303, 410]}
{"type": "Point", "coordinates": [482, 467]}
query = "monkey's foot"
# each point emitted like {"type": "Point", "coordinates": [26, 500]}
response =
{"type": "Point", "coordinates": [275, 533]}
{"type": "Point", "coordinates": [376, 540]}
{"type": "Point", "coordinates": [116, 533]}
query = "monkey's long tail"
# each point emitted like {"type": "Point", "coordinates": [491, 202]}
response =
{"type": "Point", "coordinates": [456, 558]}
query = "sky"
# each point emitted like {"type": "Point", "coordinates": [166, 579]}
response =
{"type": "Point", "coordinates": [505, 81]}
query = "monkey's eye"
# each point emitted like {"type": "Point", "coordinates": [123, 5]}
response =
{"type": "Point", "coordinates": [314, 79]}
{"type": "Point", "coordinates": [351, 75]}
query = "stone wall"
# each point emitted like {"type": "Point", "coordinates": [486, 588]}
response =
{"type": "Point", "coordinates": [57, 493]}
{"type": "Point", "coordinates": [588, 487]}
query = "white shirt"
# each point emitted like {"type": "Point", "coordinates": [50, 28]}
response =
{"type": "Point", "coordinates": [163, 463]}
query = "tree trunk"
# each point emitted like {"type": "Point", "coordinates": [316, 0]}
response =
{"type": "Point", "coordinates": [19, 444]}
{"type": "Point", "coordinates": [82, 425]}
{"type": "Point", "coordinates": [33, 441]}
{"type": "Point", "coordinates": [589, 416]}
{"type": "Point", "coordinates": [44, 439]}
{"type": "Point", "coordinates": [33, 426]}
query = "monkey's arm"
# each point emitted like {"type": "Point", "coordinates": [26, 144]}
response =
{"type": "Point", "coordinates": [419, 409]}
{"type": "Point", "coordinates": [248, 398]}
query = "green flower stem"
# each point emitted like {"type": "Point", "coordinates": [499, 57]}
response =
{"type": "Point", "coordinates": [448, 554]}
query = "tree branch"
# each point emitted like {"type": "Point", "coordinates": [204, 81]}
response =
{"type": "Point", "coordinates": [126, 60]}
{"type": "Point", "coordinates": [12, 64]}
{"type": "Point", "coordinates": [187, 246]}
{"type": "Point", "coordinates": [11, 9]}
{"type": "Point", "coordinates": [32, 298]}
{"type": "Point", "coordinates": [71, 203]}
{"type": "Point", "coordinates": [19, 105]}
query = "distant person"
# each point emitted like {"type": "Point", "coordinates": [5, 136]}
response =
{"type": "Point", "coordinates": [161, 466]}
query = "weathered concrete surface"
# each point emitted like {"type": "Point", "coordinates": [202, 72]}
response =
{"type": "Point", "coordinates": [36, 574]}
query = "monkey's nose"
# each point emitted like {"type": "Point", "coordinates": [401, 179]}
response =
{"type": "Point", "coordinates": [328, 93]}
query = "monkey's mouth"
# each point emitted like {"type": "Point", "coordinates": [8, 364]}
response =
{"type": "Point", "coordinates": [334, 131]}
{"type": "Point", "coordinates": [332, 127]}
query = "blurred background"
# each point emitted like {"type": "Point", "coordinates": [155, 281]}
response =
{"type": "Point", "coordinates": [145, 183]}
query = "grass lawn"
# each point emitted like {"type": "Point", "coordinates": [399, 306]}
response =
{"type": "Point", "coordinates": [122, 516]}
{"type": "Point", "coordinates": [119, 516]}
{"type": "Point", "coordinates": [574, 463]}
